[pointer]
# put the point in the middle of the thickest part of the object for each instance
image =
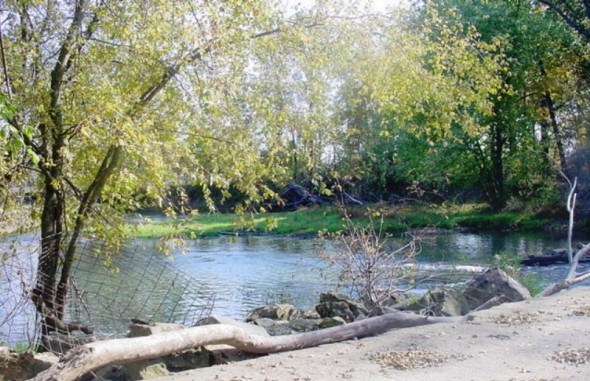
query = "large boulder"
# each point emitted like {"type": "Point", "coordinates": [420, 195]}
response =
{"type": "Point", "coordinates": [332, 305]}
{"type": "Point", "coordinates": [440, 301]}
{"type": "Point", "coordinates": [493, 283]}
{"type": "Point", "coordinates": [485, 290]}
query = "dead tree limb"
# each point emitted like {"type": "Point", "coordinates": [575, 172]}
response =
{"type": "Point", "coordinates": [573, 277]}
{"type": "Point", "coordinates": [571, 207]}
{"type": "Point", "coordinates": [92, 356]}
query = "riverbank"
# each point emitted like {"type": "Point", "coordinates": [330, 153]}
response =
{"type": "Point", "coordinates": [540, 339]}
{"type": "Point", "coordinates": [388, 218]}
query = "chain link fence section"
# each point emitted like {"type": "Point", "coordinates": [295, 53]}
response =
{"type": "Point", "coordinates": [109, 288]}
{"type": "Point", "coordinates": [18, 318]}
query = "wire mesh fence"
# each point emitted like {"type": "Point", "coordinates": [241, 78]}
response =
{"type": "Point", "coordinates": [18, 320]}
{"type": "Point", "coordinates": [109, 288]}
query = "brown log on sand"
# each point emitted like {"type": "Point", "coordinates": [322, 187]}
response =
{"type": "Point", "coordinates": [86, 358]}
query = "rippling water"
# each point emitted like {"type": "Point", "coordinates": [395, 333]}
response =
{"type": "Point", "coordinates": [247, 272]}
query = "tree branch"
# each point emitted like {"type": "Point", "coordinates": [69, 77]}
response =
{"type": "Point", "coordinates": [578, 27]}
{"type": "Point", "coordinates": [88, 357]}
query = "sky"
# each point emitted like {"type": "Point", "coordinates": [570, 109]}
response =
{"type": "Point", "coordinates": [378, 5]}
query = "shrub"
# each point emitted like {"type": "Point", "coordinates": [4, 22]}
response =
{"type": "Point", "coordinates": [368, 262]}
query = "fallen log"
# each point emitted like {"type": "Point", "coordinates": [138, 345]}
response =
{"type": "Point", "coordinates": [552, 257]}
{"type": "Point", "coordinates": [86, 358]}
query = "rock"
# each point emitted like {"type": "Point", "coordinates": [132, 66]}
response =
{"type": "Point", "coordinates": [223, 354]}
{"type": "Point", "coordinates": [23, 366]}
{"type": "Point", "coordinates": [43, 361]}
{"type": "Point", "coordinates": [193, 359]}
{"type": "Point", "coordinates": [276, 312]}
{"type": "Point", "coordinates": [331, 322]}
{"type": "Point", "coordinates": [250, 328]}
{"type": "Point", "coordinates": [333, 309]}
{"type": "Point", "coordinates": [381, 310]}
{"type": "Point", "coordinates": [492, 283]}
{"type": "Point", "coordinates": [145, 369]}
{"type": "Point", "coordinates": [111, 373]}
{"type": "Point", "coordinates": [16, 366]}
{"type": "Point", "coordinates": [137, 330]}
{"type": "Point", "coordinates": [441, 301]}
{"type": "Point", "coordinates": [265, 323]}
{"type": "Point", "coordinates": [460, 300]}
{"type": "Point", "coordinates": [4, 351]}
{"type": "Point", "coordinates": [312, 314]}
{"type": "Point", "coordinates": [274, 327]}
{"type": "Point", "coordinates": [332, 305]}
{"type": "Point", "coordinates": [305, 325]}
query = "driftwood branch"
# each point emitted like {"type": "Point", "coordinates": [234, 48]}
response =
{"type": "Point", "coordinates": [89, 357]}
{"type": "Point", "coordinates": [573, 277]}
{"type": "Point", "coordinates": [571, 207]}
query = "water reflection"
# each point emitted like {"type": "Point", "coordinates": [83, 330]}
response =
{"type": "Point", "coordinates": [481, 248]}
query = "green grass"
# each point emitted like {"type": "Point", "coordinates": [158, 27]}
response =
{"type": "Point", "coordinates": [310, 221]}
{"type": "Point", "coordinates": [500, 221]}
{"type": "Point", "coordinates": [305, 221]}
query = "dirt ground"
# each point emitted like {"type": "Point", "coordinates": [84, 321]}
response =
{"type": "Point", "coordinates": [541, 339]}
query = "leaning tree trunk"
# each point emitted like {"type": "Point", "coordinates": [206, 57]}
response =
{"type": "Point", "coordinates": [89, 357]}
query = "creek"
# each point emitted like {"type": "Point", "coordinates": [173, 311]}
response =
{"type": "Point", "coordinates": [251, 271]}
{"type": "Point", "coordinates": [241, 273]}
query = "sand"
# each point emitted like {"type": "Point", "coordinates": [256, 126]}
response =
{"type": "Point", "coordinates": [540, 339]}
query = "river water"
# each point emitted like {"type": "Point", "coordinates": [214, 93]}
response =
{"type": "Point", "coordinates": [232, 275]}
{"type": "Point", "coordinates": [247, 272]}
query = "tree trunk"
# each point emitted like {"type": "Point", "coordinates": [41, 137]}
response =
{"type": "Point", "coordinates": [51, 236]}
{"type": "Point", "coordinates": [556, 133]}
{"type": "Point", "coordinates": [109, 165]}
{"type": "Point", "coordinates": [498, 191]}
{"type": "Point", "coordinates": [86, 358]}
{"type": "Point", "coordinates": [52, 231]}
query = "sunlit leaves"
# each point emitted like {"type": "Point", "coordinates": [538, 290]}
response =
{"type": "Point", "coordinates": [440, 74]}
{"type": "Point", "coordinates": [139, 81]}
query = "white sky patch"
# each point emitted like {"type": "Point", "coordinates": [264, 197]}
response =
{"type": "Point", "coordinates": [376, 5]}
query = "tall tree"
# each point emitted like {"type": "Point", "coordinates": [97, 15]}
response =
{"type": "Point", "coordinates": [107, 99]}
{"type": "Point", "coordinates": [524, 129]}
{"type": "Point", "coordinates": [423, 84]}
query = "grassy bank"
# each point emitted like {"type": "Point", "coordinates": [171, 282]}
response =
{"type": "Point", "coordinates": [396, 219]}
